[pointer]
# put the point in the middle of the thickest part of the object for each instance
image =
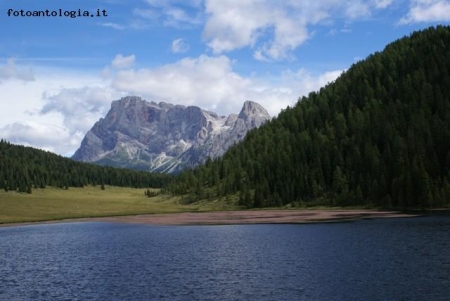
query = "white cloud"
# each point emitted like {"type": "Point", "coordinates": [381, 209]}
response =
{"type": "Point", "coordinates": [382, 3]}
{"type": "Point", "coordinates": [11, 71]}
{"type": "Point", "coordinates": [236, 24]}
{"type": "Point", "coordinates": [357, 9]}
{"type": "Point", "coordinates": [308, 82]}
{"type": "Point", "coordinates": [179, 46]}
{"type": "Point", "coordinates": [47, 137]}
{"type": "Point", "coordinates": [172, 13]}
{"type": "Point", "coordinates": [119, 62]}
{"type": "Point", "coordinates": [48, 113]}
{"type": "Point", "coordinates": [211, 83]}
{"type": "Point", "coordinates": [204, 81]}
{"type": "Point", "coordinates": [123, 62]}
{"type": "Point", "coordinates": [176, 17]}
{"type": "Point", "coordinates": [427, 11]}
{"type": "Point", "coordinates": [274, 28]}
{"type": "Point", "coordinates": [113, 25]}
{"type": "Point", "coordinates": [80, 107]}
{"type": "Point", "coordinates": [288, 34]}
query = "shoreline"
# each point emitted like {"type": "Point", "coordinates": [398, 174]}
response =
{"type": "Point", "coordinates": [271, 216]}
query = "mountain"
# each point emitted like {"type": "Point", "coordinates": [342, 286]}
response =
{"type": "Point", "coordinates": [162, 137]}
{"type": "Point", "coordinates": [24, 168]}
{"type": "Point", "coordinates": [379, 135]}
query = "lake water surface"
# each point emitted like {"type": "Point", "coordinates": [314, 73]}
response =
{"type": "Point", "coordinates": [384, 259]}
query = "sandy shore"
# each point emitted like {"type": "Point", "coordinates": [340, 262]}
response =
{"type": "Point", "coordinates": [253, 217]}
{"type": "Point", "coordinates": [238, 217]}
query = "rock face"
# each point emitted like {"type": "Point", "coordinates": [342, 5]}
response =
{"type": "Point", "coordinates": [164, 137]}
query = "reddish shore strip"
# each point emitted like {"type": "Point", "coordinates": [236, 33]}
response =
{"type": "Point", "coordinates": [236, 217]}
{"type": "Point", "coordinates": [253, 217]}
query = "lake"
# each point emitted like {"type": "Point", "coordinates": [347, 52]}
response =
{"type": "Point", "coordinates": [382, 259]}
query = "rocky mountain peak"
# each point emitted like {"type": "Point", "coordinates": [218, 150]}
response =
{"type": "Point", "coordinates": [164, 137]}
{"type": "Point", "coordinates": [253, 114]}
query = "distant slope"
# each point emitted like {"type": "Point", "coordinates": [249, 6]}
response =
{"type": "Point", "coordinates": [378, 135]}
{"type": "Point", "coordinates": [23, 168]}
{"type": "Point", "coordinates": [164, 137]}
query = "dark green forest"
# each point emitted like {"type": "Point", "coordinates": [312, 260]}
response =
{"type": "Point", "coordinates": [377, 136]}
{"type": "Point", "coordinates": [24, 168]}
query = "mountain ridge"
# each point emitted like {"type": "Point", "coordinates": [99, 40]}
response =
{"type": "Point", "coordinates": [164, 137]}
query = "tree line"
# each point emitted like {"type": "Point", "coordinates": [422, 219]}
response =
{"type": "Point", "coordinates": [24, 168]}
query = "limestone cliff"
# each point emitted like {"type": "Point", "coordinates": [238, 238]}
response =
{"type": "Point", "coordinates": [163, 137]}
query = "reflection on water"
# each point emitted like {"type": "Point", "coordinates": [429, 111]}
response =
{"type": "Point", "coordinates": [389, 259]}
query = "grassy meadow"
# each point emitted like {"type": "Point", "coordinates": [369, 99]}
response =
{"type": "Point", "coordinates": [56, 204]}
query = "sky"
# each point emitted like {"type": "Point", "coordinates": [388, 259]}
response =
{"type": "Point", "coordinates": [59, 74]}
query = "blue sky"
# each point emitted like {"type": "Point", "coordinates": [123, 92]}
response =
{"type": "Point", "coordinates": [58, 75]}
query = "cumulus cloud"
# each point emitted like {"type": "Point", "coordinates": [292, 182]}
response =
{"type": "Point", "coordinates": [119, 62]}
{"type": "Point", "coordinates": [48, 137]}
{"type": "Point", "coordinates": [211, 83]}
{"type": "Point", "coordinates": [179, 46]}
{"type": "Point", "coordinates": [55, 111]}
{"type": "Point", "coordinates": [11, 71]}
{"type": "Point", "coordinates": [123, 62]}
{"type": "Point", "coordinates": [201, 81]}
{"type": "Point", "coordinates": [79, 108]}
{"type": "Point", "coordinates": [427, 11]}
{"type": "Point", "coordinates": [274, 28]}
{"type": "Point", "coordinates": [235, 24]}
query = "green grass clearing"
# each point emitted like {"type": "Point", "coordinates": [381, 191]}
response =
{"type": "Point", "coordinates": [56, 204]}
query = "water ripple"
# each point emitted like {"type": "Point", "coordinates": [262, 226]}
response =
{"type": "Point", "coordinates": [399, 259]}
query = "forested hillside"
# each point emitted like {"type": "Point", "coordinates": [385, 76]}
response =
{"type": "Point", "coordinates": [24, 168]}
{"type": "Point", "coordinates": [378, 135]}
